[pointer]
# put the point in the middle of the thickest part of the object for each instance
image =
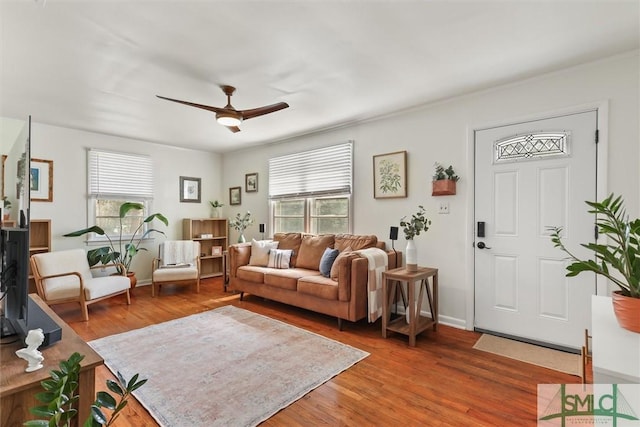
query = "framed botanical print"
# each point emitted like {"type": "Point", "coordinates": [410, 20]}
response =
{"type": "Point", "coordinates": [234, 196]}
{"type": "Point", "coordinates": [390, 175]}
{"type": "Point", "coordinates": [190, 189]}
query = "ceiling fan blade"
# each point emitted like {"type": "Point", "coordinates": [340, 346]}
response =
{"type": "Point", "coordinates": [192, 104]}
{"type": "Point", "coordinates": [255, 112]}
{"type": "Point", "coordinates": [233, 129]}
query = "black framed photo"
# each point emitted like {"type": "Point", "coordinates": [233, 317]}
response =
{"type": "Point", "coordinates": [235, 197]}
{"type": "Point", "coordinates": [190, 189]}
{"type": "Point", "coordinates": [251, 182]}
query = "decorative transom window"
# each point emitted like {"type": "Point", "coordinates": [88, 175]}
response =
{"type": "Point", "coordinates": [532, 145]}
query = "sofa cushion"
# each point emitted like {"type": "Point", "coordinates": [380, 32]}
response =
{"type": "Point", "coordinates": [346, 252]}
{"type": "Point", "coordinates": [289, 241]}
{"type": "Point", "coordinates": [318, 286]}
{"type": "Point", "coordinates": [311, 249]}
{"type": "Point", "coordinates": [279, 258]}
{"type": "Point", "coordinates": [355, 241]}
{"type": "Point", "coordinates": [260, 251]}
{"type": "Point", "coordinates": [327, 260]}
{"type": "Point", "coordinates": [251, 273]}
{"type": "Point", "coordinates": [286, 279]}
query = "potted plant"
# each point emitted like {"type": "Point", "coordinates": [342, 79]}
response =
{"type": "Point", "coordinates": [444, 181]}
{"type": "Point", "coordinates": [618, 259]}
{"type": "Point", "coordinates": [215, 208]}
{"type": "Point", "coordinates": [61, 395]}
{"type": "Point", "coordinates": [412, 228]}
{"type": "Point", "coordinates": [240, 223]}
{"type": "Point", "coordinates": [121, 251]}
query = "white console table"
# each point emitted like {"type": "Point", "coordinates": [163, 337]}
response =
{"type": "Point", "coordinates": [616, 351]}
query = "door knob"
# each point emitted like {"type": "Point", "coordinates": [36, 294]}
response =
{"type": "Point", "coordinates": [481, 245]}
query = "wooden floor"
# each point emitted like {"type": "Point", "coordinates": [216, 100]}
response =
{"type": "Point", "coordinates": [443, 381]}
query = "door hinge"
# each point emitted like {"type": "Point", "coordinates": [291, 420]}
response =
{"type": "Point", "coordinates": [597, 136]}
{"type": "Point", "coordinates": [596, 232]}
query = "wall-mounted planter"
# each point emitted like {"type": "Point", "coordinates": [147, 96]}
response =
{"type": "Point", "coordinates": [444, 187]}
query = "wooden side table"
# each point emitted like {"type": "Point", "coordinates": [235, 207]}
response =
{"type": "Point", "coordinates": [417, 323]}
{"type": "Point", "coordinates": [18, 388]}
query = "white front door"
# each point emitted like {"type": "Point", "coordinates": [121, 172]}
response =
{"type": "Point", "coordinates": [530, 176]}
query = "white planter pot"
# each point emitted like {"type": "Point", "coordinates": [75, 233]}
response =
{"type": "Point", "coordinates": [416, 290]}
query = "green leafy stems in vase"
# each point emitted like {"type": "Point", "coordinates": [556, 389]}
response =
{"type": "Point", "coordinates": [215, 208]}
{"type": "Point", "coordinates": [240, 223]}
{"type": "Point", "coordinates": [412, 228]}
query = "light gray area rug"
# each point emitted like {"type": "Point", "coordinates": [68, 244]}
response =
{"type": "Point", "coordinates": [547, 358]}
{"type": "Point", "coordinates": [224, 367]}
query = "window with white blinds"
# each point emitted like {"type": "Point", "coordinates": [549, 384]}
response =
{"type": "Point", "coordinates": [311, 191]}
{"type": "Point", "coordinates": [115, 178]}
{"type": "Point", "coordinates": [120, 175]}
{"type": "Point", "coordinates": [323, 171]}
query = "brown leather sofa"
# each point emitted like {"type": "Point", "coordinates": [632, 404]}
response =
{"type": "Point", "coordinates": [343, 294]}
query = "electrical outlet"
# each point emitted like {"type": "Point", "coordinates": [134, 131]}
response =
{"type": "Point", "coordinates": [444, 208]}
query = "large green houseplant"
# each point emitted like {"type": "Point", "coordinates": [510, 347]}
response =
{"type": "Point", "coordinates": [120, 251]}
{"type": "Point", "coordinates": [617, 259]}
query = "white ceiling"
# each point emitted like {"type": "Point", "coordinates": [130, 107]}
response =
{"type": "Point", "coordinates": [97, 65]}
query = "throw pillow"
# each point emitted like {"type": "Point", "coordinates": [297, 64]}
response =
{"type": "Point", "coordinates": [279, 258]}
{"type": "Point", "coordinates": [260, 252]}
{"type": "Point", "coordinates": [334, 268]}
{"type": "Point", "coordinates": [327, 260]}
{"type": "Point", "coordinates": [311, 249]}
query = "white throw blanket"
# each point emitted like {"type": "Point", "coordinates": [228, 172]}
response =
{"type": "Point", "coordinates": [378, 261]}
{"type": "Point", "coordinates": [177, 252]}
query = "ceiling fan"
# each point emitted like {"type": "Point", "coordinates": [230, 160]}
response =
{"type": "Point", "coordinates": [229, 116]}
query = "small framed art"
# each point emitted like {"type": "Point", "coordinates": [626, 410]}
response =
{"type": "Point", "coordinates": [216, 250]}
{"type": "Point", "coordinates": [41, 174]}
{"type": "Point", "coordinates": [190, 189]}
{"type": "Point", "coordinates": [234, 196]}
{"type": "Point", "coordinates": [251, 182]}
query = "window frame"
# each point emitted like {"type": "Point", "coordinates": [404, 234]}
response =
{"type": "Point", "coordinates": [110, 167]}
{"type": "Point", "coordinates": [307, 212]}
{"type": "Point", "coordinates": [318, 173]}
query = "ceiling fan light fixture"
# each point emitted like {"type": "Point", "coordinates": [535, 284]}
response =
{"type": "Point", "coordinates": [228, 119]}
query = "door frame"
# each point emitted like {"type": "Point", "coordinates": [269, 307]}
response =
{"type": "Point", "coordinates": [602, 121]}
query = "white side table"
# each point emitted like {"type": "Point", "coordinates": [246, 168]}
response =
{"type": "Point", "coordinates": [616, 351]}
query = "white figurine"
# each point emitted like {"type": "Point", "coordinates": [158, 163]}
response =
{"type": "Point", "coordinates": [34, 339]}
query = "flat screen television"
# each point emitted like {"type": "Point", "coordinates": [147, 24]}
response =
{"type": "Point", "coordinates": [14, 239]}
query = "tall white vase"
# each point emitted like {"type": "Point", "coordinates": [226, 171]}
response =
{"type": "Point", "coordinates": [412, 256]}
{"type": "Point", "coordinates": [416, 290]}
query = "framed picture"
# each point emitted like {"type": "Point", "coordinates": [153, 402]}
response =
{"type": "Point", "coordinates": [251, 182]}
{"type": "Point", "coordinates": [190, 189]}
{"type": "Point", "coordinates": [41, 174]}
{"type": "Point", "coordinates": [390, 175]}
{"type": "Point", "coordinates": [234, 196]}
{"type": "Point", "coordinates": [216, 250]}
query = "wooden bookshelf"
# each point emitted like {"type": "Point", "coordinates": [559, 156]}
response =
{"type": "Point", "coordinates": [211, 233]}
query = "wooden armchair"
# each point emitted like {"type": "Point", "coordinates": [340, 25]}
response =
{"type": "Point", "coordinates": [65, 276]}
{"type": "Point", "coordinates": [178, 263]}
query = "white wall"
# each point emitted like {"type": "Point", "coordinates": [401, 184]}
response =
{"type": "Point", "coordinates": [68, 211]}
{"type": "Point", "coordinates": [440, 132]}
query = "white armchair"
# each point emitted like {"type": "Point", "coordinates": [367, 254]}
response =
{"type": "Point", "coordinates": [65, 276]}
{"type": "Point", "coordinates": [178, 263]}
